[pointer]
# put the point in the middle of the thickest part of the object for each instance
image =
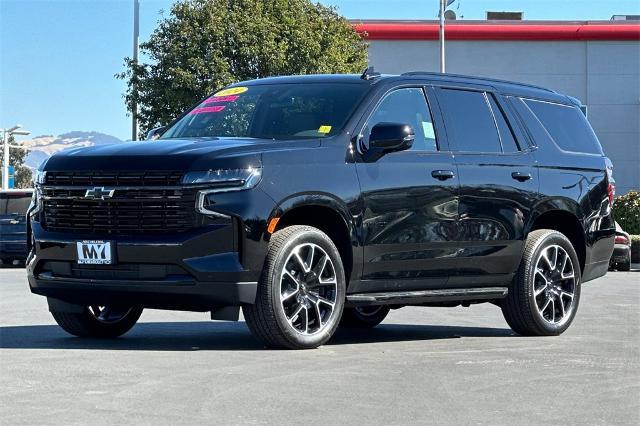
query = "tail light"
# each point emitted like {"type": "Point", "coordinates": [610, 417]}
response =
{"type": "Point", "coordinates": [611, 188]}
{"type": "Point", "coordinates": [621, 239]}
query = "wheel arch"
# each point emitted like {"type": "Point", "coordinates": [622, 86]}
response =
{"type": "Point", "coordinates": [564, 216]}
{"type": "Point", "coordinates": [324, 212]}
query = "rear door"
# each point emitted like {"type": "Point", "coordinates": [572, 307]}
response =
{"type": "Point", "coordinates": [498, 183]}
{"type": "Point", "coordinates": [410, 205]}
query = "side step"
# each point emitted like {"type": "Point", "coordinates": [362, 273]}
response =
{"type": "Point", "coordinates": [426, 296]}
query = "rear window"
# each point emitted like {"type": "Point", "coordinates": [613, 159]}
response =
{"type": "Point", "coordinates": [14, 203]}
{"type": "Point", "coordinates": [567, 126]}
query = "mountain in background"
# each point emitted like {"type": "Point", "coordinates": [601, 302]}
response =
{"type": "Point", "coordinates": [43, 147]}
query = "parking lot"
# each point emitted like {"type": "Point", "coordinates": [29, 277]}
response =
{"type": "Point", "coordinates": [422, 365]}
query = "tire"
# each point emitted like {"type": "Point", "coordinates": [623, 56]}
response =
{"type": "Point", "coordinates": [540, 293]}
{"type": "Point", "coordinates": [104, 325]}
{"type": "Point", "coordinates": [625, 266]}
{"type": "Point", "coordinates": [363, 317]}
{"type": "Point", "coordinates": [283, 317]}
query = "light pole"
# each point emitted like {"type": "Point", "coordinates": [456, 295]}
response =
{"type": "Point", "coordinates": [6, 133]}
{"type": "Point", "coordinates": [136, 35]}
{"type": "Point", "coordinates": [443, 6]}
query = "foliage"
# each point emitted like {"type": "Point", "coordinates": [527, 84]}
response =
{"type": "Point", "coordinates": [207, 44]}
{"type": "Point", "coordinates": [635, 248]}
{"type": "Point", "coordinates": [22, 178]}
{"type": "Point", "coordinates": [626, 211]}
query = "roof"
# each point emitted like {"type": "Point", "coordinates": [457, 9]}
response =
{"type": "Point", "coordinates": [502, 85]}
{"type": "Point", "coordinates": [500, 30]}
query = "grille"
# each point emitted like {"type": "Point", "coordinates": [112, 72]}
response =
{"type": "Point", "coordinates": [88, 178]}
{"type": "Point", "coordinates": [129, 211]}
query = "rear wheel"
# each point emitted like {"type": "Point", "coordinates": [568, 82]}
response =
{"type": "Point", "coordinates": [544, 295]}
{"type": "Point", "coordinates": [99, 321]}
{"type": "Point", "coordinates": [364, 316]}
{"type": "Point", "coordinates": [301, 292]}
{"type": "Point", "coordinates": [626, 265]}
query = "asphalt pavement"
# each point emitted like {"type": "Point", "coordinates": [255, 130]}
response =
{"type": "Point", "coordinates": [422, 365]}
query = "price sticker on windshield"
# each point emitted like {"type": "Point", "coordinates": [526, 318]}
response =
{"type": "Point", "coordinates": [231, 91]}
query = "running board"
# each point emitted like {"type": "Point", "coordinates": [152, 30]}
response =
{"type": "Point", "coordinates": [426, 296]}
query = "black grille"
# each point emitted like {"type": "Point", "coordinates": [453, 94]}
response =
{"type": "Point", "coordinates": [129, 211]}
{"type": "Point", "coordinates": [100, 178]}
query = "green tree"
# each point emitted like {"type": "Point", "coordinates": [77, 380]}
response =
{"type": "Point", "coordinates": [22, 178]}
{"type": "Point", "coordinates": [207, 44]}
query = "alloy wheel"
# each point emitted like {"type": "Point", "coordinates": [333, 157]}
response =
{"type": "Point", "coordinates": [108, 314]}
{"type": "Point", "coordinates": [554, 285]}
{"type": "Point", "coordinates": [308, 289]}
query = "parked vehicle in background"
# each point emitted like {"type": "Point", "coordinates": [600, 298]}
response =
{"type": "Point", "coordinates": [13, 224]}
{"type": "Point", "coordinates": [621, 256]}
{"type": "Point", "coordinates": [315, 201]}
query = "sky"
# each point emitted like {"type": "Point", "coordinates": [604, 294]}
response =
{"type": "Point", "coordinates": [58, 57]}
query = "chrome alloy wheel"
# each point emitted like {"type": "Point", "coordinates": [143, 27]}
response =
{"type": "Point", "coordinates": [107, 314]}
{"type": "Point", "coordinates": [308, 289]}
{"type": "Point", "coordinates": [554, 285]}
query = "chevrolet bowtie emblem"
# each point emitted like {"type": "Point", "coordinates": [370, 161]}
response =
{"type": "Point", "coordinates": [99, 193]}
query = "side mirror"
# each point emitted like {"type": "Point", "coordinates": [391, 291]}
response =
{"type": "Point", "coordinates": [388, 137]}
{"type": "Point", "coordinates": [155, 133]}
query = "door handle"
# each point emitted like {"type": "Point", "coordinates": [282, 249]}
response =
{"type": "Point", "coordinates": [442, 174]}
{"type": "Point", "coordinates": [521, 177]}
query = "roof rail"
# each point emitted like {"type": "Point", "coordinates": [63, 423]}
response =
{"type": "Point", "coordinates": [369, 74]}
{"type": "Point", "coordinates": [437, 74]}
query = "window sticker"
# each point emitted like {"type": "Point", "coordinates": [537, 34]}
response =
{"type": "Point", "coordinates": [427, 130]}
{"type": "Point", "coordinates": [230, 98]}
{"type": "Point", "coordinates": [204, 110]}
{"type": "Point", "coordinates": [324, 129]}
{"type": "Point", "coordinates": [231, 91]}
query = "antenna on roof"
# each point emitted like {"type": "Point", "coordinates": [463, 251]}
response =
{"type": "Point", "coordinates": [369, 73]}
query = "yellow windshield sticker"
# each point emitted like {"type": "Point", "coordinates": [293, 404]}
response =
{"type": "Point", "coordinates": [231, 91]}
{"type": "Point", "coordinates": [324, 129]}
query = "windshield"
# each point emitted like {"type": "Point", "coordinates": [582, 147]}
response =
{"type": "Point", "coordinates": [272, 111]}
{"type": "Point", "coordinates": [14, 204]}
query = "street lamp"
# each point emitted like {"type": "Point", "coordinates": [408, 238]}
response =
{"type": "Point", "coordinates": [443, 6]}
{"type": "Point", "coordinates": [6, 133]}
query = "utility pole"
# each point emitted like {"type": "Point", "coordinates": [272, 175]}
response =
{"type": "Point", "coordinates": [6, 133]}
{"type": "Point", "coordinates": [136, 34]}
{"type": "Point", "coordinates": [443, 6]}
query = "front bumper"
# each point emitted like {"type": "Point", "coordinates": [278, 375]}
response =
{"type": "Point", "coordinates": [197, 270]}
{"type": "Point", "coordinates": [14, 248]}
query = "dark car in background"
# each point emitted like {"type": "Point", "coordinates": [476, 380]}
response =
{"type": "Point", "coordinates": [317, 201]}
{"type": "Point", "coordinates": [621, 257]}
{"type": "Point", "coordinates": [13, 224]}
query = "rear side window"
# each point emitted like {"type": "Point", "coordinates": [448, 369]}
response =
{"type": "Point", "coordinates": [567, 126]}
{"type": "Point", "coordinates": [469, 121]}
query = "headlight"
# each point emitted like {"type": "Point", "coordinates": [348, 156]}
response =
{"type": "Point", "coordinates": [223, 180]}
{"type": "Point", "coordinates": [39, 178]}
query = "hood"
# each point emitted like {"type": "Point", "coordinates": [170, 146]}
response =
{"type": "Point", "coordinates": [171, 154]}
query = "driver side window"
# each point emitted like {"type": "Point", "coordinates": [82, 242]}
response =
{"type": "Point", "coordinates": [407, 106]}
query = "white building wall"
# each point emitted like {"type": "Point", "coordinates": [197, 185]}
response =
{"type": "Point", "coordinates": [605, 76]}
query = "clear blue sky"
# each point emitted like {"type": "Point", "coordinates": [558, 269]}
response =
{"type": "Point", "coordinates": [58, 57]}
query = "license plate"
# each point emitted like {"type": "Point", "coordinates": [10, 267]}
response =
{"type": "Point", "coordinates": [94, 252]}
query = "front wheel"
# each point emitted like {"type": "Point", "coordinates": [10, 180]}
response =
{"type": "Point", "coordinates": [544, 295]}
{"type": "Point", "coordinates": [99, 321]}
{"type": "Point", "coordinates": [301, 292]}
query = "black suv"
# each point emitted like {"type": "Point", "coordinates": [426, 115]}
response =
{"type": "Point", "coordinates": [315, 201]}
{"type": "Point", "coordinates": [13, 224]}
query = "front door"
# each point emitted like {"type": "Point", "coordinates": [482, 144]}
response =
{"type": "Point", "coordinates": [410, 206]}
{"type": "Point", "coordinates": [498, 184]}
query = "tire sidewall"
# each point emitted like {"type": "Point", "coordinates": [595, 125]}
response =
{"type": "Point", "coordinates": [318, 238]}
{"type": "Point", "coordinates": [554, 238]}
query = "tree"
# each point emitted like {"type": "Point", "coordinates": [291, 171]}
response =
{"type": "Point", "coordinates": [207, 44]}
{"type": "Point", "coordinates": [22, 177]}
